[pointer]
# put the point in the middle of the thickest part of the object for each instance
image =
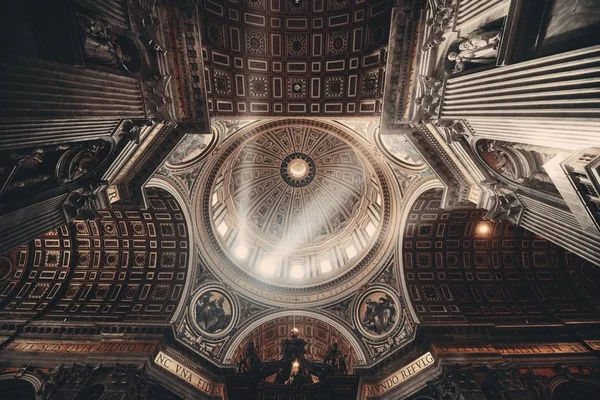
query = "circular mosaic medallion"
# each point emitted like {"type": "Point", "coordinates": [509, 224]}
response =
{"type": "Point", "coordinates": [378, 313]}
{"type": "Point", "coordinates": [213, 312]}
{"type": "Point", "coordinates": [298, 169]}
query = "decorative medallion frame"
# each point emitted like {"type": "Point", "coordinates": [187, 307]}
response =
{"type": "Point", "coordinates": [211, 296]}
{"type": "Point", "coordinates": [383, 296]}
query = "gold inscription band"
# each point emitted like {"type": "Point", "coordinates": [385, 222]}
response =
{"type": "Point", "coordinates": [193, 378]}
{"type": "Point", "coordinates": [375, 390]}
{"type": "Point", "coordinates": [511, 350]}
{"type": "Point", "coordinates": [81, 347]}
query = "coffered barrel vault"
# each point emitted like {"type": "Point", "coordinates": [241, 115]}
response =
{"type": "Point", "coordinates": [461, 268]}
{"type": "Point", "coordinates": [287, 57]}
{"type": "Point", "coordinates": [128, 266]}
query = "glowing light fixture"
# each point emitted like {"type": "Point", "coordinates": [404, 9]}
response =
{"type": "Point", "coordinates": [267, 266]}
{"type": "Point", "coordinates": [483, 228]}
{"type": "Point", "coordinates": [295, 367]}
{"type": "Point", "coordinates": [296, 271]}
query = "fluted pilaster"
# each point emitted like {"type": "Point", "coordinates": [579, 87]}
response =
{"type": "Point", "coordinates": [45, 103]}
{"type": "Point", "coordinates": [470, 10]}
{"type": "Point", "coordinates": [113, 11]}
{"type": "Point", "coordinates": [550, 101]}
{"type": "Point", "coordinates": [30, 222]}
{"type": "Point", "coordinates": [560, 227]}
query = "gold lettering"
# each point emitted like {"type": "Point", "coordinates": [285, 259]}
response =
{"type": "Point", "coordinates": [395, 379]}
{"type": "Point", "coordinates": [371, 390]}
{"type": "Point", "coordinates": [186, 374]}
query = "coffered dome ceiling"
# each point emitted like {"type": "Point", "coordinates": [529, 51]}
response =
{"type": "Point", "coordinates": [292, 206]}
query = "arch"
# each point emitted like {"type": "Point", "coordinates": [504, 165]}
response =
{"type": "Point", "coordinates": [33, 382]}
{"type": "Point", "coordinates": [410, 198]}
{"type": "Point", "coordinates": [238, 338]}
{"type": "Point", "coordinates": [579, 387]}
{"type": "Point", "coordinates": [517, 164]}
{"type": "Point", "coordinates": [164, 183]}
{"type": "Point", "coordinates": [126, 266]}
{"type": "Point", "coordinates": [459, 268]}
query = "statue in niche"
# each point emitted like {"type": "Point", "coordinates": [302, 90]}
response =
{"type": "Point", "coordinates": [522, 164]}
{"type": "Point", "coordinates": [498, 159]}
{"type": "Point", "coordinates": [335, 360]}
{"type": "Point", "coordinates": [55, 378]}
{"type": "Point", "coordinates": [85, 161]}
{"type": "Point", "coordinates": [481, 47]}
{"type": "Point", "coordinates": [250, 361]}
{"type": "Point", "coordinates": [80, 205]}
{"type": "Point", "coordinates": [99, 44]}
{"type": "Point", "coordinates": [213, 312]}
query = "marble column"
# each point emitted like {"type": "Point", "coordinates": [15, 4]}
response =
{"type": "Point", "coordinates": [113, 11]}
{"type": "Point", "coordinates": [559, 226]}
{"type": "Point", "coordinates": [46, 103]}
{"type": "Point", "coordinates": [551, 101]}
{"type": "Point", "coordinates": [477, 10]}
{"type": "Point", "coordinates": [27, 223]}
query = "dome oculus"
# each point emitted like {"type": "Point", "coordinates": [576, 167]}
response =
{"type": "Point", "coordinates": [298, 170]}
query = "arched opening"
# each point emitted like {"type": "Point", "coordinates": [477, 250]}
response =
{"type": "Point", "coordinates": [17, 389]}
{"type": "Point", "coordinates": [318, 334]}
{"type": "Point", "coordinates": [521, 164]}
{"type": "Point", "coordinates": [293, 357]}
{"type": "Point", "coordinates": [577, 389]}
